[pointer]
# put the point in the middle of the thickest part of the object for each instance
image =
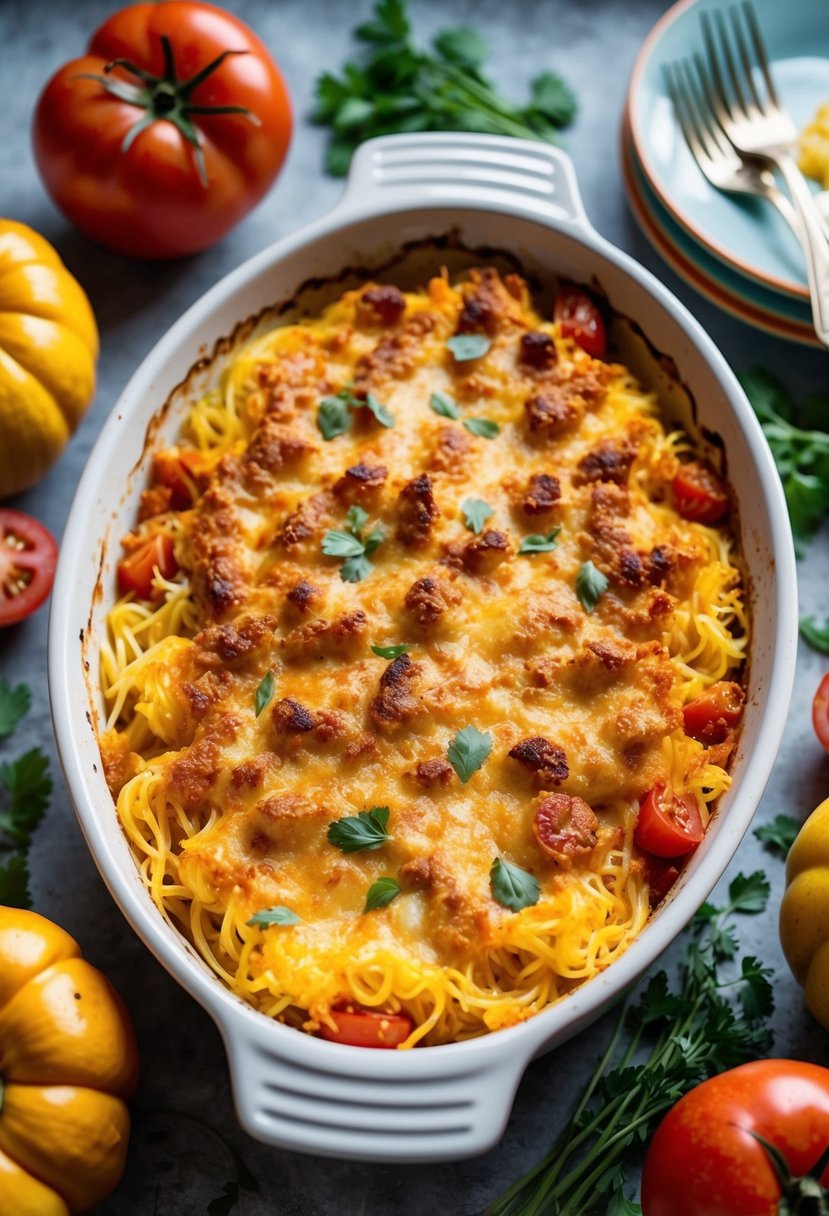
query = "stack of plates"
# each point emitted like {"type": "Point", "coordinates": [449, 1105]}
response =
{"type": "Point", "coordinates": [737, 252]}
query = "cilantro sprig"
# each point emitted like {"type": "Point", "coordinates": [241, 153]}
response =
{"type": "Point", "coordinates": [399, 86]}
{"type": "Point", "coordinates": [713, 1018]}
{"type": "Point", "coordinates": [334, 413]}
{"type": "Point", "coordinates": [779, 835]}
{"type": "Point", "coordinates": [355, 548]}
{"type": "Point", "coordinates": [14, 703]}
{"type": "Point", "coordinates": [25, 787]}
{"type": "Point", "coordinates": [366, 830]}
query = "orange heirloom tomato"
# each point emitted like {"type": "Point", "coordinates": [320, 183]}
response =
{"type": "Point", "coordinates": [167, 132]}
{"type": "Point", "coordinates": [68, 1063]}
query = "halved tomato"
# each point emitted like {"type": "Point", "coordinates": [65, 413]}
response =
{"type": "Point", "coordinates": [699, 493]}
{"type": "Point", "coordinates": [710, 717]}
{"type": "Point", "coordinates": [28, 556]}
{"type": "Point", "coordinates": [135, 572]}
{"type": "Point", "coordinates": [578, 317]}
{"type": "Point", "coordinates": [368, 1028]}
{"type": "Point", "coordinates": [669, 824]}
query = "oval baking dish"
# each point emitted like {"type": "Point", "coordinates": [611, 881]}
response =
{"type": "Point", "coordinates": [412, 203]}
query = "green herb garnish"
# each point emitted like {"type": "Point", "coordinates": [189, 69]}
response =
{"type": "Point", "coordinates": [366, 830]}
{"type": "Point", "coordinates": [25, 786]}
{"type": "Point", "coordinates": [14, 703]}
{"type": "Point", "coordinates": [280, 915]}
{"type": "Point", "coordinates": [591, 585]}
{"type": "Point", "coordinates": [384, 416]}
{"type": "Point", "coordinates": [443, 404]}
{"type": "Point", "coordinates": [817, 636]}
{"type": "Point", "coordinates": [711, 1020]}
{"type": "Point", "coordinates": [334, 413]}
{"type": "Point", "coordinates": [475, 514]}
{"type": "Point", "coordinates": [540, 544]}
{"type": "Point", "coordinates": [399, 86]}
{"type": "Point", "coordinates": [482, 426]}
{"type": "Point", "coordinates": [779, 835]}
{"type": "Point", "coordinates": [264, 692]}
{"type": "Point", "coordinates": [381, 893]}
{"type": "Point", "coordinates": [513, 887]}
{"type": "Point", "coordinates": [391, 652]}
{"type": "Point", "coordinates": [466, 347]}
{"type": "Point", "coordinates": [468, 751]}
{"type": "Point", "coordinates": [355, 548]}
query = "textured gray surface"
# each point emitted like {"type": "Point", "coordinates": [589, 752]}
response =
{"type": "Point", "coordinates": [175, 1167]}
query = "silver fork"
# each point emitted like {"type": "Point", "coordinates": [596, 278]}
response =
{"type": "Point", "coordinates": [711, 149]}
{"type": "Point", "coordinates": [758, 126]}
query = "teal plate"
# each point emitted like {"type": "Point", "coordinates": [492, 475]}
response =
{"type": "Point", "coordinates": [746, 235]}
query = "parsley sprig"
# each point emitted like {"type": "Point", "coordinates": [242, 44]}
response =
{"type": "Point", "coordinates": [712, 1019]}
{"type": "Point", "coordinates": [399, 86]}
{"type": "Point", "coordinates": [779, 835]}
{"type": "Point", "coordinates": [355, 548]}
{"type": "Point", "coordinates": [447, 407]}
{"type": "Point", "coordinates": [25, 786]}
{"type": "Point", "coordinates": [538, 543]}
{"type": "Point", "coordinates": [334, 413]}
{"type": "Point", "coordinates": [366, 830]}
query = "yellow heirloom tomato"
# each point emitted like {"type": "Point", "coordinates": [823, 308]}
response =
{"type": "Point", "coordinates": [804, 912]}
{"type": "Point", "coordinates": [68, 1062]}
{"type": "Point", "coordinates": [48, 350]}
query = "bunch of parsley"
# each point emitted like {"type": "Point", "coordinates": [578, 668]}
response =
{"type": "Point", "coordinates": [25, 786]}
{"type": "Point", "coordinates": [711, 1020]}
{"type": "Point", "coordinates": [400, 87]}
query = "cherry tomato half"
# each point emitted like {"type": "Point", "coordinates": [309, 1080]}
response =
{"type": "Point", "coordinates": [699, 493]}
{"type": "Point", "coordinates": [820, 712]}
{"type": "Point", "coordinates": [705, 1158]}
{"type": "Point", "coordinates": [28, 556]}
{"type": "Point", "coordinates": [710, 717]}
{"type": "Point", "coordinates": [669, 824]}
{"type": "Point", "coordinates": [135, 572]}
{"type": "Point", "coordinates": [368, 1028]}
{"type": "Point", "coordinates": [181, 472]}
{"type": "Point", "coordinates": [578, 317]}
{"type": "Point", "coordinates": [660, 874]}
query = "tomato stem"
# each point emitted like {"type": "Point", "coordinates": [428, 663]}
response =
{"type": "Point", "coordinates": [800, 1196]}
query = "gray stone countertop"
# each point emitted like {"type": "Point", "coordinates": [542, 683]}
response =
{"type": "Point", "coordinates": [175, 1168]}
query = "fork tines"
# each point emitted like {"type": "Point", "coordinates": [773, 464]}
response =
{"type": "Point", "coordinates": [737, 89]}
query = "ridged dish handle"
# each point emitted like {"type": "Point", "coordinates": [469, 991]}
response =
{"type": "Point", "coordinates": [368, 1104]}
{"type": "Point", "coordinates": [468, 170]}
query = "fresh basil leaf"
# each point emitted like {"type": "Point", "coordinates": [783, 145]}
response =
{"type": "Point", "coordinates": [540, 544]}
{"type": "Point", "coordinates": [366, 830]}
{"type": "Point", "coordinates": [341, 544]}
{"type": "Point", "coordinates": [391, 652]}
{"type": "Point", "coordinates": [381, 893]}
{"type": "Point", "coordinates": [355, 569]}
{"type": "Point", "coordinates": [264, 692]}
{"type": "Point", "coordinates": [443, 404]}
{"type": "Point", "coordinates": [384, 416]}
{"type": "Point", "coordinates": [513, 887]}
{"type": "Point", "coordinates": [333, 417]}
{"type": "Point", "coordinates": [465, 347]}
{"type": "Point", "coordinates": [779, 835]}
{"type": "Point", "coordinates": [14, 703]}
{"type": "Point", "coordinates": [357, 519]}
{"type": "Point", "coordinates": [482, 426]}
{"type": "Point", "coordinates": [591, 585]}
{"type": "Point", "coordinates": [280, 915]}
{"type": "Point", "coordinates": [468, 751]}
{"type": "Point", "coordinates": [816, 635]}
{"type": "Point", "coordinates": [475, 514]}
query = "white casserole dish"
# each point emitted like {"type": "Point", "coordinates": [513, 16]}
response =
{"type": "Point", "coordinates": [450, 1101]}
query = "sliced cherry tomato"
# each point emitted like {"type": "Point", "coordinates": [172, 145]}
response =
{"type": "Point", "coordinates": [135, 572]}
{"type": "Point", "coordinates": [578, 317]}
{"type": "Point", "coordinates": [820, 712]}
{"type": "Point", "coordinates": [660, 875]}
{"type": "Point", "coordinates": [180, 472]}
{"type": "Point", "coordinates": [28, 556]}
{"type": "Point", "coordinates": [669, 824]}
{"type": "Point", "coordinates": [368, 1028]}
{"type": "Point", "coordinates": [707, 1157]}
{"type": "Point", "coordinates": [699, 493]}
{"type": "Point", "coordinates": [710, 717]}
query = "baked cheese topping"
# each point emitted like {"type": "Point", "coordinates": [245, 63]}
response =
{"type": "Point", "coordinates": [440, 476]}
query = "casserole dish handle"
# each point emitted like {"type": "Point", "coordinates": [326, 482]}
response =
{"type": "Point", "coordinates": [480, 171]}
{"type": "Point", "coordinates": [309, 1095]}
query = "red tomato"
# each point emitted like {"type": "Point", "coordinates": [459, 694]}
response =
{"type": "Point", "coordinates": [28, 556]}
{"type": "Point", "coordinates": [135, 572]}
{"type": "Point", "coordinates": [660, 874]}
{"type": "Point", "coordinates": [669, 824]}
{"type": "Point", "coordinates": [820, 712]}
{"type": "Point", "coordinates": [578, 317]}
{"type": "Point", "coordinates": [704, 1159]}
{"type": "Point", "coordinates": [710, 717]}
{"type": "Point", "coordinates": [174, 169]}
{"type": "Point", "coordinates": [367, 1028]}
{"type": "Point", "coordinates": [699, 493]}
{"type": "Point", "coordinates": [181, 472]}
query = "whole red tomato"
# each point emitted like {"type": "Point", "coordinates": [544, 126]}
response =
{"type": "Point", "coordinates": [167, 132]}
{"type": "Point", "coordinates": [706, 1159]}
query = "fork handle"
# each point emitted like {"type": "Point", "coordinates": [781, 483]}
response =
{"type": "Point", "coordinates": [812, 236]}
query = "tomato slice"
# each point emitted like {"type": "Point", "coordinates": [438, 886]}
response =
{"type": "Point", "coordinates": [368, 1028]}
{"type": "Point", "coordinates": [180, 471]}
{"type": "Point", "coordinates": [820, 712]}
{"type": "Point", "coordinates": [669, 824]}
{"type": "Point", "coordinates": [699, 493]}
{"type": "Point", "coordinates": [710, 717]}
{"type": "Point", "coordinates": [135, 572]}
{"type": "Point", "coordinates": [28, 556]}
{"type": "Point", "coordinates": [660, 874]}
{"type": "Point", "coordinates": [578, 317]}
